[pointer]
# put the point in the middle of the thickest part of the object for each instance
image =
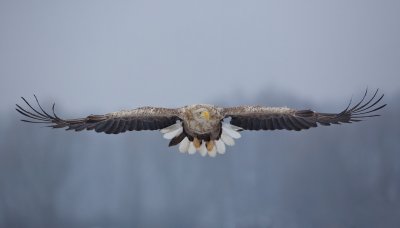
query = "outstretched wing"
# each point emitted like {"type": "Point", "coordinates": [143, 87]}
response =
{"type": "Point", "coordinates": [144, 118]}
{"type": "Point", "coordinates": [271, 118]}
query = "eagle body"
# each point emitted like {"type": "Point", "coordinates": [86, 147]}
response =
{"type": "Point", "coordinates": [200, 130]}
{"type": "Point", "coordinates": [205, 128]}
{"type": "Point", "coordinates": [202, 121]}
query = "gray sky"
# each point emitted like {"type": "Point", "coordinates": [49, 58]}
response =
{"type": "Point", "coordinates": [106, 55]}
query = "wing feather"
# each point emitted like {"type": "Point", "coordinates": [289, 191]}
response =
{"type": "Point", "coordinates": [144, 118]}
{"type": "Point", "coordinates": [271, 118]}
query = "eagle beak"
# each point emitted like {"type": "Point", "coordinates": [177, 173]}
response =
{"type": "Point", "coordinates": [206, 115]}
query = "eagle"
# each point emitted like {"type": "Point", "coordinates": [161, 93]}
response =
{"type": "Point", "coordinates": [204, 128]}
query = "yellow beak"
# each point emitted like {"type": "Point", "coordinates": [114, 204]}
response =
{"type": "Point", "coordinates": [206, 115]}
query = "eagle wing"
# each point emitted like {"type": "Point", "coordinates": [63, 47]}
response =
{"type": "Point", "coordinates": [144, 118]}
{"type": "Point", "coordinates": [271, 118]}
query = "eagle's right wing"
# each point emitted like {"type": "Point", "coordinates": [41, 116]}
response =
{"type": "Point", "coordinates": [144, 118]}
{"type": "Point", "coordinates": [271, 118]}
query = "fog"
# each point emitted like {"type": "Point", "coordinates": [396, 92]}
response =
{"type": "Point", "coordinates": [94, 57]}
{"type": "Point", "coordinates": [104, 56]}
{"type": "Point", "coordinates": [337, 176]}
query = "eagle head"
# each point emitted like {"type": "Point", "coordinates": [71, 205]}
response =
{"type": "Point", "coordinates": [201, 114]}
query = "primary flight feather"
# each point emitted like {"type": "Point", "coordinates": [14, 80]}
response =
{"type": "Point", "coordinates": [200, 127]}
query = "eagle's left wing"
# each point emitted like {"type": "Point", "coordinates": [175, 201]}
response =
{"type": "Point", "coordinates": [271, 118]}
{"type": "Point", "coordinates": [144, 118]}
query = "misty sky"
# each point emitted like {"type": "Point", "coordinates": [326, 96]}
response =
{"type": "Point", "coordinates": [108, 55]}
{"type": "Point", "coordinates": [94, 56]}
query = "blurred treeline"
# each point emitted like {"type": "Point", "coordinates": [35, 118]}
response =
{"type": "Point", "coordinates": [340, 176]}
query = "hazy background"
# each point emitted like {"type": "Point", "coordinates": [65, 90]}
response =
{"type": "Point", "coordinates": [102, 56]}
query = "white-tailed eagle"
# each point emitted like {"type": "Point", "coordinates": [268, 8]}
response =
{"type": "Point", "coordinates": [201, 127]}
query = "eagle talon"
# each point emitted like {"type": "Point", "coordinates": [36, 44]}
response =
{"type": "Point", "coordinates": [210, 145]}
{"type": "Point", "coordinates": [197, 143]}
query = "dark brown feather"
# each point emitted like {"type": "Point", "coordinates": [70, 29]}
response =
{"type": "Point", "coordinates": [258, 117]}
{"type": "Point", "coordinates": [176, 140]}
{"type": "Point", "coordinates": [146, 118]}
